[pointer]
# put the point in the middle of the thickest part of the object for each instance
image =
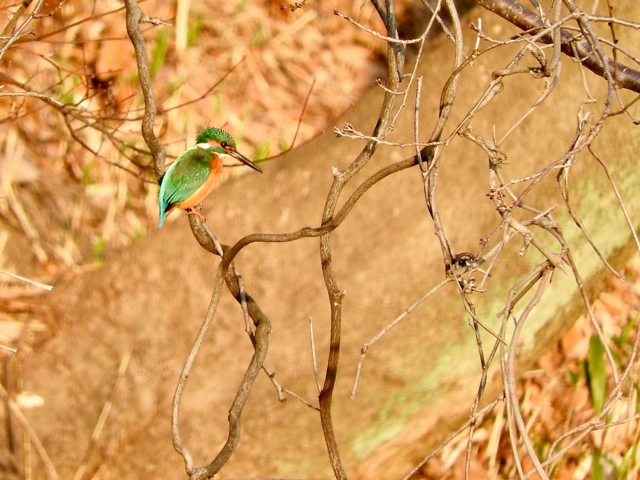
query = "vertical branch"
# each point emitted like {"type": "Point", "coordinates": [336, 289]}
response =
{"type": "Point", "coordinates": [184, 377]}
{"type": "Point", "coordinates": [395, 59]}
{"type": "Point", "coordinates": [135, 16]}
{"type": "Point", "coordinates": [387, 14]}
{"type": "Point", "coordinates": [430, 174]}
{"type": "Point", "coordinates": [226, 273]}
{"type": "Point", "coordinates": [255, 365]}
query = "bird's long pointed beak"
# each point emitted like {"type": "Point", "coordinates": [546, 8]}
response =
{"type": "Point", "coordinates": [245, 160]}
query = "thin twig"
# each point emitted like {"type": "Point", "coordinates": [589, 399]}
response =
{"type": "Point", "coordinates": [304, 108]}
{"type": "Point", "coordinates": [510, 374]}
{"type": "Point", "coordinates": [525, 19]}
{"type": "Point", "coordinates": [134, 17]}
{"type": "Point", "coordinates": [477, 417]}
{"type": "Point", "coordinates": [365, 348]}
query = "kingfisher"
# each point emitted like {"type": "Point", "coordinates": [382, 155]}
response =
{"type": "Point", "coordinates": [196, 171]}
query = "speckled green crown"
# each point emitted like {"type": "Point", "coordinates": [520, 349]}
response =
{"type": "Point", "coordinates": [217, 134]}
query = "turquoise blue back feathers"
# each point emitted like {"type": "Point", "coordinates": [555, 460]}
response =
{"type": "Point", "coordinates": [183, 177]}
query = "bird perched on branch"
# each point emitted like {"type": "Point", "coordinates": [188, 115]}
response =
{"type": "Point", "coordinates": [196, 171]}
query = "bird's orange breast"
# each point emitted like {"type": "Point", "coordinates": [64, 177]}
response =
{"type": "Point", "coordinates": [207, 186]}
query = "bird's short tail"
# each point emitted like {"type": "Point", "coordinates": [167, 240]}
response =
{"type": "Point", "coordinates": [163, 216]}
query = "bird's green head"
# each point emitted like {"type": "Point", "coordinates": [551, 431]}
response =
{"type": "Point", "coordinates": [213, 136]}
{"type": "Point", "coordinates": [220, 142]}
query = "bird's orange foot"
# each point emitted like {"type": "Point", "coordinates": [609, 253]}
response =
{"type": "Point", "coordinates": [191, 211]}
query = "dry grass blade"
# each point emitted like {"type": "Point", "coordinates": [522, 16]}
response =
{"type": "Point", "coordinates": [104, 414]}
{"type": "Point", "coordinates": [32, 437]}
{"type": "Point", "coordinates": [26, 280]}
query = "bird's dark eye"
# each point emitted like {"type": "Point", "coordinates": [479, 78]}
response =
{"type": "Point", "coordinates": [224, 145]}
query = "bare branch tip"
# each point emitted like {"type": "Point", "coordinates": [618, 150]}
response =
{"type": "Point", "coordinates": [155, 21]}
{"type": "Point", "coordinates": [293, 6]}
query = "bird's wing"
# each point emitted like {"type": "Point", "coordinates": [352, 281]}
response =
{"type": "Point", "coordinates": [188, 173]}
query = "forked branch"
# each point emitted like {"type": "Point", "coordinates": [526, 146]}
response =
{"type": "Point", "coordinates": [525, 19]}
